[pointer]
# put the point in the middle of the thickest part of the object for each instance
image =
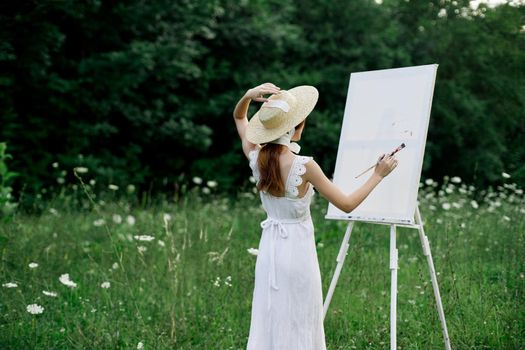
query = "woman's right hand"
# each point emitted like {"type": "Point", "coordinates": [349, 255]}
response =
{"type": "Point", "coordinates": [257, 92]}
{"type": "Point", "coordinates": [385, 164]}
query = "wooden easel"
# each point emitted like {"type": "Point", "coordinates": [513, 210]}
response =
{"type": "Point", "coordinates": [393, 268]}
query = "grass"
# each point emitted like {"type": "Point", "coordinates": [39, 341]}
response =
{"type": "Point", "coordinates": [191, 287]}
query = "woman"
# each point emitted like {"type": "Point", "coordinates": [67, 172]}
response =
{"type": "Point", "coordinates": [287, 304]}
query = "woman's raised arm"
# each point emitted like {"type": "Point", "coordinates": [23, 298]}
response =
{"type": "Point", "coordinates": [241, 110]}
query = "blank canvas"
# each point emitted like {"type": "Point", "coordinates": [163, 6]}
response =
{"type": "Point", "coordinates": [384, 108]}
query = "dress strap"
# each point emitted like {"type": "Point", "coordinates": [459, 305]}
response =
{"type": "Point", "coordinates": [294, 176]}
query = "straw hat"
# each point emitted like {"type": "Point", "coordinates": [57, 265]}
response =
{"type": "Point", "coordinates": [283, 111]}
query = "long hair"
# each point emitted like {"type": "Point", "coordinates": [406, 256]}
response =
{"type": "Point", "coordinates": [269, 170]}
{"type": "Point", "coordinates": [270, 179]}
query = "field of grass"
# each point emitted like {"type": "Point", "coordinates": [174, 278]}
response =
{"type": "Point", "coordinates": [177, 274]}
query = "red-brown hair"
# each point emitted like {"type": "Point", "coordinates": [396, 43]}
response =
{"type": "Point", "coordinates": [269, 170]}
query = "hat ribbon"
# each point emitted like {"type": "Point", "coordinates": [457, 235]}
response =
{"type": "Point", "coordinates": [285, 140]}
{"type": "Point", "coordinates": [281, 104]}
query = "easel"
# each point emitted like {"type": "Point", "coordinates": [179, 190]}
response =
{"type": "Point", "coordinates": [393, 268]}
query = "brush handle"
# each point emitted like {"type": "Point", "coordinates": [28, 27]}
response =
{"type": "Point", "coordinates": [391, 154]}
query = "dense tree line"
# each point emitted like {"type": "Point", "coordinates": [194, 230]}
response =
{"type": "Point", "coordinates": [143, 92]}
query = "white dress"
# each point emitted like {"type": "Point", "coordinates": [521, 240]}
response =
{"type": "Point", "coordinates": [287, 304]}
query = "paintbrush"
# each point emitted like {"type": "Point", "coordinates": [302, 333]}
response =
{"type": "Point", "coordinates": [391, 154]}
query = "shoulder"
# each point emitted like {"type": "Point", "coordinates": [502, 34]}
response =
{"type": "Point", "coordinates": [252, 154]}
{"type": "Point", "coordinates": [252, 157]}
{"type": "Point", "coordinates": [312, 169]}
{"type": "Point", "coordinates": [252, 151]}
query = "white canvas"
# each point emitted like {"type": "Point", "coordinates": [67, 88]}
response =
{"type": "Point", "coordinates": [384, 108]}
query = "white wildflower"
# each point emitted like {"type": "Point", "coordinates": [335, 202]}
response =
{"type": "Point", "coordinates": [33, 265]}
{"type": "Point", "coordinates": [105, 285]}
{"type": "Point", "coordinates": [50, 294]}
{"type": "Point", "coordinates": [144, 238]}
{"type": "Point", "coordinates": [141, 248]}
{"type": "Point", "coordinates": [227, 281]}
{"type": "Point", "coordinates": [474, 204]}
{"type": "Point", "coordinates": [114, 266]}
{"type": "Point", "coordinates": [446, 206]}
{"type": "Point", "coordinates": [117, 219]}
{"type": "Point", "coordinates": [140, 345]}
{"type": "Point", "coordinates": [166, 217]}
{"type": "Point", "coordinates": [197, 180]}
{"type": "Point", "coordinates": [60, 180]}
{"type": "Point", "coordinates": [506, 218]}
{"type": "Point", "coordinates": [99, 222]}
{"type": "Point", "coordinates": [64, 279]}
{"type": "Point", "coordinates": [53, 211]}
{"type": "Point", "coordinates": [130, 220]}
{"type": "Point", "coordinates": [211, 184]}
{"type": "Point", "coordinates": [9, 285]}
{"type": "Point", "coordinates": [55, 165]}
{"type": "Point", "coordinates": [92, 182]}
{"type": "Point", "coordinates": [206, 190]}
{"type": "Point", "coordinates": [217, 282]}
{"type": "Point", "coordinates": [505, 175]}
{"type": "Point", "coordinates": [456, 179]}
{"type": "Point", "coordinates": [161, 243]}
{"type": "Point", "coordinates": [35, 309]}
{"type": "Point", "coordinates": [81, 169]}
{"type": "Point", "coordinates": [252, 179]}
{"type": "Point", "coordinates": [253, 251]}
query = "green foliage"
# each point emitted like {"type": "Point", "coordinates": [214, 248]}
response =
{"type": "Point", "coordinates": [7, 205]}
{"type": "Point", "coordinates": [143, 92]}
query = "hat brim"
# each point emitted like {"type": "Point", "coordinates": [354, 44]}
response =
{"type": "Point", "coordinates": [306, 96]}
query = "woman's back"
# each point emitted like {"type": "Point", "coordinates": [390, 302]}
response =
{"type": "Point", "coordinates": [297, 193]}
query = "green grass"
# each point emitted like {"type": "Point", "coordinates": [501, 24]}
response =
{"type": "Point", "coordinates": [175, 296]}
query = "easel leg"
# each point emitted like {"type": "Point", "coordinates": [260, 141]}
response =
{"type": "Point", "coordinates": [393, 288]}
{"type": "Point", "coordinates": [433, 277]}
{"type": "Point", "coordinates": [340, 260]}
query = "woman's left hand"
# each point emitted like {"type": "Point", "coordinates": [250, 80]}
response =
{"type": "Point", "coordinates": [256, 93]}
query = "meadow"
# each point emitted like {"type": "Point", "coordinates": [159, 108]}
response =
{"type": "Point", "coordinates": [107, 271]}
